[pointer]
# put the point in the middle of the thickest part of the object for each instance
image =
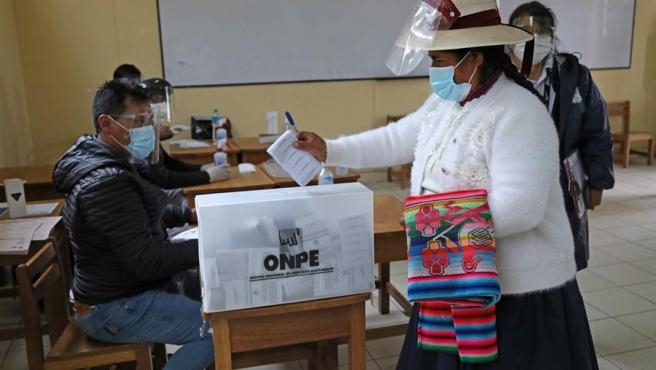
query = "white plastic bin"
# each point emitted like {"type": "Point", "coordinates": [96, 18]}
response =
{"type": "Point", "coordinates": [267, 247]}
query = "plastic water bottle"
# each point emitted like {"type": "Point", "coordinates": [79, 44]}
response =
{"type": "Point", "coordinates": [216, 123]}
{"type": "Point", "coordinates": [325, 176]}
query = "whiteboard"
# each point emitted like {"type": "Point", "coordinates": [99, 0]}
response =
{"type": "Point", "coordinates": [227, 42]}
{"type": "Point", "coordinates": [600, 30]}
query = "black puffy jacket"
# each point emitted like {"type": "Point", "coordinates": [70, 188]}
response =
{"type": "Point", "coordinates": [114, 219]}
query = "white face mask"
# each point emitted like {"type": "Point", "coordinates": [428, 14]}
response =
{"type": "Point", "coordinates": [543, 47]}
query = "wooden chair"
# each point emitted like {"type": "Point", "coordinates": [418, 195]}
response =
{"type": "Point", "coordinates": [403, 172]}
{"type": "Point", "coordinates": [625, 137]}
{"type": "Point", "coordinates": [41, 278]}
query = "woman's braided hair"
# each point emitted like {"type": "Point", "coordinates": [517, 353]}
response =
{"type": "Point", "coordinates": [495, 59]}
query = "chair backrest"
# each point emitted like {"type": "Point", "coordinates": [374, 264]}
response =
{"type": "Point", "coordinates": [41, 278]}
{"type": "Point", "coordinates": [623, 110]}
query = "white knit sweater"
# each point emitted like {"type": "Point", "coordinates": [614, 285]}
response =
{"type": "Point", "coordinates": [504, 142]}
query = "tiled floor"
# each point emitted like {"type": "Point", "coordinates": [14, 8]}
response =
{"type": "Point", "coordinates": [619, 288]}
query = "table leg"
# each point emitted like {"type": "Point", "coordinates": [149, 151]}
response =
{"type": "Point", "coordinates": [383, 294]}
{"type": "Point", "coordinates": [357, 337]}
{"type": "Point", "coordinates": [222, 347]}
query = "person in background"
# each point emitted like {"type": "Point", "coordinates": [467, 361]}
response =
{"type": "Point", "coordinates": [123, 258]}
{"type": "Point", "coordinates": [484, 127]}
{"type": "Point", "coordinates": [128, 72]}
{"type": "Point", "coordinates": [579, 112]}
{"type": "Point", "coordinates": [170, 173]}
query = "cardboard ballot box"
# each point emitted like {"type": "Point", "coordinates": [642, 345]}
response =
{"type": "Point", "coordinates": [267, 247]}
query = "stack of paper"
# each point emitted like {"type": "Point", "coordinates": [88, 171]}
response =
{"type": "Point", "coordinates": [16, 235]}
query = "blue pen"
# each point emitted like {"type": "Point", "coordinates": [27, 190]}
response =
{"type": "Point", "coordinates": [290, 122]}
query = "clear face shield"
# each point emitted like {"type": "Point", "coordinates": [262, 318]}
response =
{"type": "Point", "coordinates": [543, 35]}
{"type": "Point", "coordinates": [418, 33]}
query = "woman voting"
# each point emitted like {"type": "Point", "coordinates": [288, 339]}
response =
{"type": "Point", "coordinates": [483, 131]}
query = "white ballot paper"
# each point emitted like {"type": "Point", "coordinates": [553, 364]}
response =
{"type": "Point", "coordinates": [300, 165]}
{"type": "Point", "coordinates": [15, 236]}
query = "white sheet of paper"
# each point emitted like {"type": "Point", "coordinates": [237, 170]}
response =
{"type": "Point", "coordinates": [190, 234]}
{"type": "Point", "coordinates": [44, 229]}
{"type": "Point", "coordinates": [36, 209]}
{"type": "Point", "coordinates": [16, 235]}
{"type": "Point", "coordinates": [189, 143]}
{"type": "Point", "coordinates": [300, 165]}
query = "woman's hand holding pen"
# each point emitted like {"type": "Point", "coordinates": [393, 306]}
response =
{"type": "Point", "coordinates": [313, 144]}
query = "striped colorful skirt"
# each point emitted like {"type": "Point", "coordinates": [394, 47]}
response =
{"type": "Point", "coordinates": [546, 330]}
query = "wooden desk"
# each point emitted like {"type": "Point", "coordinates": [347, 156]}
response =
{"type": "Point", "coordinates": [286, 181]}
{"type": "Point", "coordinates": [201, 156]}
{"type": "Point", "coordinates": [59, 238]}
{"type": "Point", "coordinates": [251, 151]}
{"type": "Point", "coordinates": [237, 182]}
{"type": "Point", "coordinates": [240, 334]}
{"type": "Point", "coordinates": [389, 246]}
{"type": "Point", "coordinates": [38, 181]}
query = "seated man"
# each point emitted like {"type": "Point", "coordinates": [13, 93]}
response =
{"type": "Point", "coordinates": [113, 215]}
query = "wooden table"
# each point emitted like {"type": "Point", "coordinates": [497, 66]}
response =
{"type": "Point", "coordinates": [241, 336]}
{"type": "Point", "coordinates": [251, 151]}
{"type": "Point", "coordinates": [389, 246]}
{"type": "Point", "coordinates": [38, 181]}
{"type": "Point", "coordinates": [237, 182]}
{"type": "Point", "coordinates": [201, 156]}
{"type": "Point", "coordinates": [59, 238]}
{"type": "Point", "coordinates": [286, 181]}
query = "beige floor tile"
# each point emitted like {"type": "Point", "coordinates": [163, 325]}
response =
{"type": "Point", "coordinates": [602, 237]}
{"type": "Point", "coordinates": [589, 281]}
{"type": "Point", "coordinates": [617, 301]}
{"type": "Point", "coordinates": [399, 267]}
{"type": "Point", "coordinates": [295, 365]}
{"type": "Point", "coordinates": [644, 359]}
{"type": "Point", "coordinates": [628, 252]}
{"type": "Point", "coordinates": [14, 361]}
{"type": "Point", "coordinates": [388, 363]}
{"type": "Point", "coordinates": [371, 365]}
{"type": "Point", "coordinates": [632, 233]}
{"type": "Point", "coordinates": [606, 365]}
{"type": "Point", "coordinates": [385, 347]}
{"type": "Point", "coordinates": [646, 290]}
{"type": "Point", "coordinates": [343, 356]}
{"type": "Point", "coordinates": [623, 274]}
{"type": "Point", "coordinates": [644, 323]}
{"type": "Point", "coordinates": [611, 336]}
{"type": "Point", "coordinates": [593, 313]}
{"type": "Point", "coordinates": [599, 258]}
{"type": "Point", "coordinates": [647, 265]}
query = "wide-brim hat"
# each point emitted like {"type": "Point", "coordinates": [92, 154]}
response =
{"type": "Point", "coordinates": [451, 25]}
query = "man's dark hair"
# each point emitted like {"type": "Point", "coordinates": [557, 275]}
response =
{"type": "Point", "coordinates": [128, 72]}
{"type": "Point", "coordinates": [544, 16]}
{"type": "Point", "coordinates": [110, 98]}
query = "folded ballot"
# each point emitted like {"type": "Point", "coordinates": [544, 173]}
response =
{"type": "Point", "coordinates": [267, 247]}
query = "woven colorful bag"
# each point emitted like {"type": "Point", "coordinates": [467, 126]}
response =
{"type": "Point", "coordinates": [452, 272]}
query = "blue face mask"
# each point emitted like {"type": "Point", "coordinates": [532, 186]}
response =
{"type": "Point", "coordinates": [142, 141]}
{"type": "Point", "coordinates": [441, 81]}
